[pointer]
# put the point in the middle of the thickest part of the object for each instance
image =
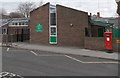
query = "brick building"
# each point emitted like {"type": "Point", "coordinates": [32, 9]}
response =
{"type": "Point", "coordinates": [100, 25]}
{"type": "Point", "coordinates": [58, 25]}
{"type": "Point", "coordinates": [15, 30]}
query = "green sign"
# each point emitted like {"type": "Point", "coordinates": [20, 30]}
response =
{"type": "Point", "coordinates": [39, 28]}
{"type": "Point", "coordinates": [111, 24]}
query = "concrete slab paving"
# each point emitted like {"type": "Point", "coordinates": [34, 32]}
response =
{"type": "Point", "coordinates": [68, 50]}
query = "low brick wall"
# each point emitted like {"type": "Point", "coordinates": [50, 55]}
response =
{"type": "Point", "coordinates": [116, 46]}
{"type": "Point", "coordinates": [0, 38]}
{"type": "Point", "coordinates": [15, 38]}
{"type": "Point", "coordinates": [98, 43]}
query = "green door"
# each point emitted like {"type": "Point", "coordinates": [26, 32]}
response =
{"type": "Point", "coordinates": [100, 32]}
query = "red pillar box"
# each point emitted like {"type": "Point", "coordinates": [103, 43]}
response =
{"type": "Point", "coordinates": [108, 40]}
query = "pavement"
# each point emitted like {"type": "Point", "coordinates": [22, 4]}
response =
{"type": "Point", "coordinates": [67, 50]}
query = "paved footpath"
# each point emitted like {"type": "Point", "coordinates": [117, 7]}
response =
{"type": "Point", "coordinates": [68, 50]}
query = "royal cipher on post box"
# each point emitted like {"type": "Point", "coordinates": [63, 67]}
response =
{"type": "Point", "coordinates": [108, 41]}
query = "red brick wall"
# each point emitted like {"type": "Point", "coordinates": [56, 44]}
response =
{"type": "Point", "coordinates": [40, 16]}
{"type": "Point", "coordinates": [94, 30]}
{"type": "Point", "coordinates": [12, 36]}
{"type": "Point", "coordinates": [11, 30]}
{"type": "Point", "coordinates": [71, 35]}
{"type": "Point", "coordinates": [116, 46]}
{"type": "Point", "coordinates": [98, 43]}
{"type": "Point", "coordinates": [4, 37]}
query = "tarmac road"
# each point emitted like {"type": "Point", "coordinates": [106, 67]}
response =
{"type": "Point", "coordinates": [38, 63]}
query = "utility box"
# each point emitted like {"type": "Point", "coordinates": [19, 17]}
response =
{"type": "Point", "coordinates": [116, 33]}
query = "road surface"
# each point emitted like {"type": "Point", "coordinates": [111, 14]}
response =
{"type": "Point", "coordinates": [39, 63]}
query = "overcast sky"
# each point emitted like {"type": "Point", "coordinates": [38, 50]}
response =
{"type": "Point", "coordinates": [107, 8]}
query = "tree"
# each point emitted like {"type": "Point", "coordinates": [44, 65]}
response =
{"type": "Point", "coordinates": [3, 11]}
{"type": "Point", "coordinates": [41, 3]}
{"type": "Point", "coordinates": [3, 14]}
{"type": "Point", "coordinates": [15, 15]}
{"type": "Point", "coordinates": [118, 10]}
{"type": "Point", "coordinates": [25, 8]}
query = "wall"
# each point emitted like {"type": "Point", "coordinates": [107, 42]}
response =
{"type": "Point", "coordinates": [15, 34]}
{"type": "Point", "coordinates": [0, 35]}
{"type": "Point", "coordinates": [98, 43]}
{"type": "Point", "coordinates": [71, 35]}
{"type": "Point", "coordinates": [40, 16]}
{"type": "Point", "coordinates": [116, 46]}
{"type": "Point", "coordinates": [94, 31]}
{"type": "Point", "coordinates": [4, 37]}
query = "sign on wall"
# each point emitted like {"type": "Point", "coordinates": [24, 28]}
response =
{"type": "Point", "coordinates": [117, 41]}
{"type": "Point", "coordinates": [39, 28]}
{"type": "Point", "coordinates": [4, 30]}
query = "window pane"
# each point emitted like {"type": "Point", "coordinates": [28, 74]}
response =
{"type": "Point", "coordinates": [53, 10]}
{"type": "Point", "coordinates": [23, 23]}
{"type": "Point", "coordinates": [19, 23]}
{"type": "Point", "coordinates": [15, 23]}
{"type": "Point", "coordinates": [26, 23]}
{"type": "Point", "coordinates": [53, 31]}
{"type": "Point", "coordinates": [53, 18]}
{"type": "Point", "coordinates": [4, 31]}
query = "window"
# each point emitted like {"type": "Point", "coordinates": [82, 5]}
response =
{"type": "Point", "coordinates": [86, 32]}
{"type": "Point", "coordinates": [53, 26]}
{"type": "Point", "coordinates": [16, 23]}
{"type": "Point", "coordinates": [52, 10]}
{"type": "Point", "coordinates": [100, 32]}
{"type": "Point", "coordinates": [13, 23]}
{"type": "Point", "coordinates": [10, 24]}
{"type": "Point", "coordinates": [26, 23]}
{"type": "Point", "coordinates": [19, 23]}
{"type": "Point", "coordinates": [4, 31]}
{"type": "Point", "coordinates": [52, 18]}
{"type": "Point", "coordinates": [52, 15]}
{"type": "Point", "coordinates": [53, 30]}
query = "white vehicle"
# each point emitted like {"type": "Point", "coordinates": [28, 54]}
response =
{"type": "Point", "coordinates": [9, 75]}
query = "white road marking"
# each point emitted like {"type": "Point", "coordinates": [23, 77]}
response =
{"type": "Point", "coordinates": [4, 73]}
{"type": "Point", "coordinates": [49, 55]}
{"type": "Point", "coordinates": [90, 62]}
{"type": "Point", "coordinates": [101, 62]}
{"type": "Point", "coordinates": [34, 53]}
{"type": "Point", "coordinates": [74, 59]}
{"type": "Point", "coordinates": [44, 54]}
{"type": "Point", "coordinates": [8, 49]}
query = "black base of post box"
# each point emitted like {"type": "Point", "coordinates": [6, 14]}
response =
{"type": "Point", "coordinates": [109, 51]}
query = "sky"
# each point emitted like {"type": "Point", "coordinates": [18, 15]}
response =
{"type": "Point", "coordinates": [107, 8]}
